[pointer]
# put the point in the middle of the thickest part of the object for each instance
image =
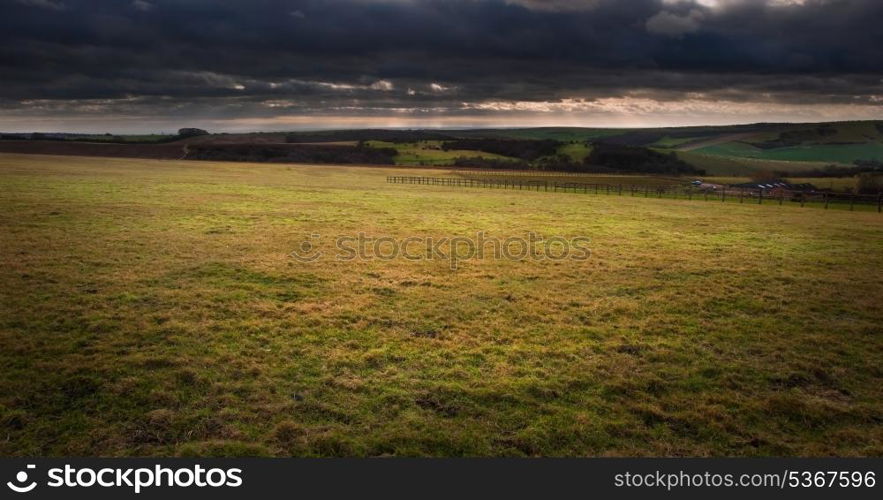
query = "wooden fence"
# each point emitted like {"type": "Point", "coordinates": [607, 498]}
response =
{"type": "Point", "coordinates": [758, 196]}
{"type": "Point", "coordinates": [528, 173]}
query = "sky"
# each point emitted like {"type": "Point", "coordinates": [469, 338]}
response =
{"type": "Point", "coordinates": [141, 66]}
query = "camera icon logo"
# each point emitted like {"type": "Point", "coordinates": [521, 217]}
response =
{"type": "Point", "coordinates": [21, 478]}
{"type": "Point", "coordinates": [306, 251]}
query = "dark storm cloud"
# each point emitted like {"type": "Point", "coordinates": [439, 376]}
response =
{"type": "Point", "coordinates": [259, 57]}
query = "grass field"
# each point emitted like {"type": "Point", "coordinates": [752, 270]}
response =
{"type": "Point", "coordinates": [152, 308]}
{"type": "Point", "coordinates": [576, 151]}
{"type": "Point", "coordinates": [840, 153]}
{"type": "Point", "coordinates": [430, 153]}
{"type": "Point", "coordinates": [735, 166]}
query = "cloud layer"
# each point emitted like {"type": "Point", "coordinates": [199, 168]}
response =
{"type": "Point", "coordinates": [310, 63]}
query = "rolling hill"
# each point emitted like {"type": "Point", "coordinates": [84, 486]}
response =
{"type": "Point", "coordinates": [719, 150]}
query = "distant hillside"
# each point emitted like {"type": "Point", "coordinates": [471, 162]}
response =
{"type": "Point", "coordinates": [742, 149]}
{"type": "Point", "coordinates": [724, 150]}
{"type": "Point", "coordinates": [718, 150]}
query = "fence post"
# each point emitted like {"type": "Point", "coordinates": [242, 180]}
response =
{"type": "Point", "coordinates": [826, 201]}
{"type": "Point", "coordinates": [646, 191]}
{"type": "Point", "coordinates": [620, 190]}
{"type": "Point", "coordinates": [760, 197]}
{"type": "Point", "coordinates": [741, 195]}
{"type": "Point", "coordinates": [781, 197]}
{"type": "Point", "coordinates": [802, 199]}
{"type": "Point", "coordinates": [852, 203]}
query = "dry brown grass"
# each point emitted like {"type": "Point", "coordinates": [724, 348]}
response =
{"type": "Point", "coordinates": [151, 308]}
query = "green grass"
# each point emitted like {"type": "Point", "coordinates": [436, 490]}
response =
{"type": "Point", "coordinates": [430, 153]}
{"type": "Point", "coordinates": [735, 166]}
{"type": "Point", "coordinates": [840, 153]}
{"type": "Point", "coordinates": [151, 308]}
{"type": "Point", "coordinates": [577, 151]}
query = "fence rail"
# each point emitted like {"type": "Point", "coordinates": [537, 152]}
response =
{"type": "Point", "coordinates": [529, 173]}
{"type": "Point", "coordinates": [758, 196]}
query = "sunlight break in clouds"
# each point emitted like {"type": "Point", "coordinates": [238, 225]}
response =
{"type": "Point", "coordinates": [584, 62]}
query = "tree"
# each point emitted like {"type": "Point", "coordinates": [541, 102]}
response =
{"type": "Point", "coordinates": [191, 132]}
